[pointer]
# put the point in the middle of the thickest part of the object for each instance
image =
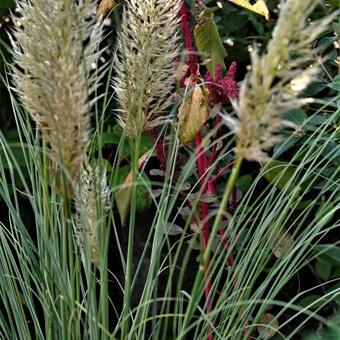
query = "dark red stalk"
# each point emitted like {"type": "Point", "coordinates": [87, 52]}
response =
{"type": "Point", "coordinates": [201, 155]}
{"type": "Point", "coordinates": [185, 17]}
{"type": "Point", "coordinates": [221, 91]}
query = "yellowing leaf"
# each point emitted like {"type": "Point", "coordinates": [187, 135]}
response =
{"type": "Point", "coordinates": [123, 196]}
{"type": "Point", "coordinates": [193, 113]}
{"type": "Point", "coordinates": [258, 7]}
{"type": "Point", "coordinates": [282, 244]}
{"type": "Point", "coordinates": [208, 41]}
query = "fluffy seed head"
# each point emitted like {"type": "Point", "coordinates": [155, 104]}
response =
{"type": "Point", "coordinates": [145, 64]}
{"type": "Point", "coordinates": [92, 199]}
{"type": "Point", "coordinates": [54, 47]}
{"type": "Point", "coordinates": [276, 80]}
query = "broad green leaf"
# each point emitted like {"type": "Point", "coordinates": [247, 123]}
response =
{"type": "Point", "coordinates": [314, 88]}
{"type": "Point", "coordinates": [279, 174]}
{"type": "Point", "coordinates": [192, 114]}
{"type": "Point", "coordinates": [296, 116]}
{"type": "Point", "coordinates": [312, 301]}
{"type": "Point", "coordinates": [335, 84]}
{"type": "Point", "coordinates": [113, 136]}
{"type": "Point", "coordinates": [284, 146]}
{"type": "Point", "coordinates": [244, 182]}
{"type": "Point", "coordinates": [323, 269]}
{"type": "Point", "coordinates": [328, 253]}
{"type": "Point", "coordinates": [332, 289]}
{"type": "Point", "coordinates": [258, 7]}
{"type": "Point", "coordinates": [208, 41]}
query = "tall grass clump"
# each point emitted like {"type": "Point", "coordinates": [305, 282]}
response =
{"type": "Point", "coordinates": [55, 53]}
{"type": "Point", "coordinates": [53, 75]}
{"type": "Point", "coordinates": [73, 266]}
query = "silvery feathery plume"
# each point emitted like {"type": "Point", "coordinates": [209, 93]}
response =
{"type": "Point", "coordinates": [92, 198]}
{"type": "Point", "coordinates": [55, 45]}
{"type": "Point", "coordinates": [145, 64]}
{"type": "Point", "coordinates": [276, 79]}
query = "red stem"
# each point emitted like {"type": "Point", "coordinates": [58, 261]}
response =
{"type": "Point", "coordinates": [201, 156]}
{"type": "Point", "coordinates": [207, 185]}
{"type": "Point", "coordinates": [202, 161]}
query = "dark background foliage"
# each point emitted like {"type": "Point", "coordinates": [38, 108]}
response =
{"type": "Point", "coordinates": [239, 30]}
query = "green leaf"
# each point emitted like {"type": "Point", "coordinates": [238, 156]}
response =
{"type": "Point", "coordinates": [317, 120]}
{"type": "Point", "coordinates": [335, 84]}
{"type": "Point", "coordinates": [310, 301]}
{"type": "Point", "coordinates": [328, 253]}
{"type": "Point", "coordinates": [244, 182]}
{"type": "Point", "coordinates": [18, 154]}
{"type": "Point", "coordinates": [6, 4]}
{"type": "Point", "coordinates": [284, 146]}
{"type": "Point", "coordinates": [323, 269]}
{"type": "Point", "coordinates": [314, 88]}
{"type": "Point", "coordinates": [297, 116]}
{"type": "Point", "coordinates": [332, 289]}
{"type": "Point", "coordinates": [208, 41]}
{"type": "Point", "coordinates": [279, 174]}
{"type": "Point", "coordinates": [325, 213]}
{"type": "Point", "coordinates": [113, 137]}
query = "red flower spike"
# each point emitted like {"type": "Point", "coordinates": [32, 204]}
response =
{"type": "Point", "coordinates": [222, 89]}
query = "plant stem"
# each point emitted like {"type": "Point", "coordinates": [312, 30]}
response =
{"type": "Point", "coordinates": [129, 257]}
{"type": "Point", "coordinates": [201, 157]}
{"type": "Point", "coordinates": [200, 274]}
{"type": "Point", "coordinates": [230, 185]}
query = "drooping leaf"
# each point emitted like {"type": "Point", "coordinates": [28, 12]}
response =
{"type": "Point", "coordinates": [258, 7]}
{"type": "Point", "coordinates": [208, 41]}
{"type": "Point", "coordinates": [123, 196]}
{"type": "Point", "coordinates": [192, 114]}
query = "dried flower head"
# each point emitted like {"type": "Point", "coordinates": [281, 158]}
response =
{"type": "Point", "coordinates": [145, 64]}
{"type": "Point", "coordinates": [54, 47]}
{"type": "Point", "coordinates": [276, 80]}
{"type": "Point", "coordinates": [92, 198]}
